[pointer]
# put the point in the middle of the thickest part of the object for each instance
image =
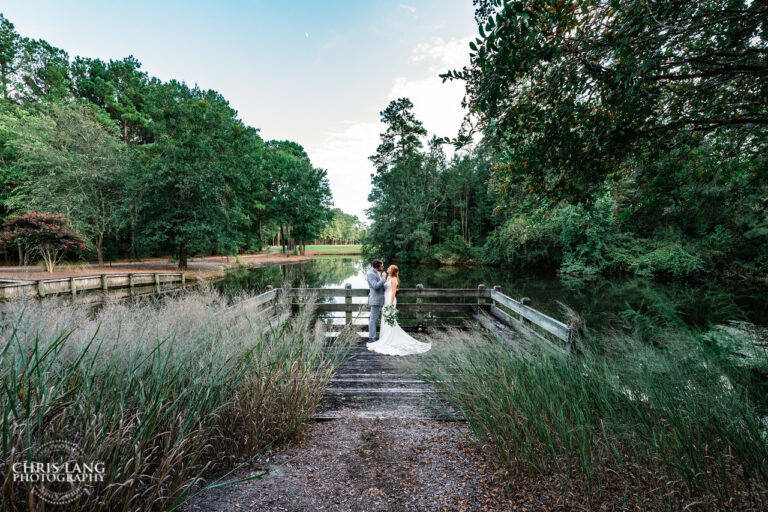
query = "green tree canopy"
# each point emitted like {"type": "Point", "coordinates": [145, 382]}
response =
{"type": "Point", "coordinates": [117, 86]}
{"type": "Point", "coordinates": [189, 173]}
{"type": "Point", "coordinates": [76, 166]}
{"type": "Point", "coordinates": [301, 196]}
{"type": "Point", "coordinates": [575, 93]}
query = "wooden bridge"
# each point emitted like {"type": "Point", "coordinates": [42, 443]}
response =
{"type": "Point", "coordinates": [375, 385]}
{"type": "Point", "coordinates": [113, 285]}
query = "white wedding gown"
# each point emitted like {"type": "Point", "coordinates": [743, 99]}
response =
{"type": "Point", "coordinates": [394, 341]}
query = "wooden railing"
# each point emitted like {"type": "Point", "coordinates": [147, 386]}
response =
{"type": "Point", "coordinates": [75, 284]}
{"type": "Point", "coordinates": [518, 314]}
{"type": "Point", "coordinates": [527, 315]}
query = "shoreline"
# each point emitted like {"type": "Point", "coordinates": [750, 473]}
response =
{"type": "Point", "coordinates": [210, 268]}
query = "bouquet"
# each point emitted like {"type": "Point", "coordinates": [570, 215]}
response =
{"type": "Point", "coordinates": [390, 315]}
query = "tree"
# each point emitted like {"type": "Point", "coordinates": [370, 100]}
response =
{"type": "Point", "coordinates": [575, 93]}
{"type": "Point", "coordinates": [10, 42]}
{"type": "Point", "coordinates": [311, 209]}
{"type": "Point", "coordinates": [76, 165]}
{"type": "Point", "coordinates": [402, 139]}
{"type": "Point", "coordinates": [301, 195]}
{"type": "Point", "coordinates": [343, 228]}
{"type": "Point", "coordinates": [117, 86]}
{"type": "Point", "coordinates": [30, 69]}
{"type": "Point", "coordinates": [44, 234]}
{"type": "Point", "coordinates": [190, 172]}
{"type": "Point", "coordinates": [406, 189]}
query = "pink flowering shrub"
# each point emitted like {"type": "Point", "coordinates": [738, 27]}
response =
{"type": "Point", "coordinates": [45, 234]}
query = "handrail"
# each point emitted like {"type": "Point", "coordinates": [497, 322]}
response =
{"type": "Point", "coordinates": [401, 292]}
{"type": "Point", "coordinates": [527, 313]}
{"type": "Point", "coordinates": [75, 284]}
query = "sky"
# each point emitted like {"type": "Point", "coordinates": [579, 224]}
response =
{"type": "Point", "coordinates": [315, 72]}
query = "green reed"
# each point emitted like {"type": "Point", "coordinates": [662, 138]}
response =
{"type": "Point", "coordinates": [159, 392]}
{"type": "Point", "coordinates": [620, 421]}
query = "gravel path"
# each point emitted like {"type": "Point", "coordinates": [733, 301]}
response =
{"type": "Point", "coordinates": [362, 464]}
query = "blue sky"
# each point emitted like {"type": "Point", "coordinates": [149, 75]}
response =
{"type": "Point", "coordinates": [317, 72]}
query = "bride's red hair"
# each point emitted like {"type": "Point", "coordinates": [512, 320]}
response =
{"type": "Point", "coordinates": [394, 271]}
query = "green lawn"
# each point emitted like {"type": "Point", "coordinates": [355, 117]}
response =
{"type": "Point", "coordinates": [330, 249]}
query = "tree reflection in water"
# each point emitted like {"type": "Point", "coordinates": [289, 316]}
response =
{"type": "Point", "coordinates": [634, 303]}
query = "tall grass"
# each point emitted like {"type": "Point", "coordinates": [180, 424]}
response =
{"type": "Point", "coordinates": [159, 392]}
{"type": "Point", "coordinates": [622, 424]}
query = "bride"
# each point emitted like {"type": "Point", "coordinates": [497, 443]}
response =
{"type": "Point", "coordinates": [394, 341]}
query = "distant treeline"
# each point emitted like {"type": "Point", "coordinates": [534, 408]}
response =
{"type": "Point", "coordinates": [143, 167]}
{"type": "Point", "coordinates": [626, 137]}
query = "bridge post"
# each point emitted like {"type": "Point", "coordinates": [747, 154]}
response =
{"type": "Point", "coordinates": [273, 301]}
{"type": "Point", "coordinates": [481, 294]}
{"type": "Point", "coordinates": [104, 285]}
{"type": "Point", "coordinates": [348, 302]}
{"type": "Point", "coordinates": [41, 287]}
{"type": "Point", "coordinates": [131, 284]}
{"type": "Point", "coordinates": [289, 305]}
{"type": "Point", "coordinates": [72, 287]}
{"type": "Point", "coordinates": [525, 301]}
{"type": "Point", "coordinates": [496, 288]}
{"type": "Point", "coordinates": [157, 282]}
{"type": "Point", "coordinates": [419, 312]}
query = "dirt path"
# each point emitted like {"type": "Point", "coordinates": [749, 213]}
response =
{"type": "Point", "coordinates": [360, 464]}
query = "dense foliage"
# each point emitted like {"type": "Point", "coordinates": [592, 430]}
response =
{"type": "Point", "coordinates": [143, 167]}
{"type": "Point", "coordinates": [623, 137]}
{"type": "Point", "coordinates": [425, 206]}
{"type": "Point", "coordinates": [343, 228]}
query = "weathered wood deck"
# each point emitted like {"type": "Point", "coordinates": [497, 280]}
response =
{"type": "Point", "coordinates": [18, 288]}
{"type": "Point", "coordinates": [375, 385]}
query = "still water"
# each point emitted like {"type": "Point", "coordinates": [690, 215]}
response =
{"type": "Point", "coordinates": [621, 302]}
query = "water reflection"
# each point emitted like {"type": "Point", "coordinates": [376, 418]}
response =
{"type": "Point", "coordinates": [631, 302]}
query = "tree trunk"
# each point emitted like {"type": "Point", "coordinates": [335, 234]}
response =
{"type": "Point", "coordinates": [183, 256]}
{"type": "Point", "coordinates": [21, 254]}
{"type": "Point", "coordinates": [3, 75]}
{"type": "Point", "coordinates": [282, 237]}
{"type": "Point", "coordinates": [99, 255]}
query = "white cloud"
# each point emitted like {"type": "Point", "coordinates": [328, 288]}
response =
{"type": "Point", "coordinates": [345, 153]}
{"type": "Point", "coordinates": [306, 34]}
{"type": "Point", "coordinates": [443, 55]}
{"type": "Point", "coordinates": [436, 104]}
{"type": "Point", "coordinates": [408, 8]}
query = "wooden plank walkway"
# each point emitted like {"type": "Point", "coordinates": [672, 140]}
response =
{"type": "Point", "coordinates": [372, 385]}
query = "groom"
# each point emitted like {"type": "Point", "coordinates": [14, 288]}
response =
{"type": "Point", "coordinates": [375, 296]}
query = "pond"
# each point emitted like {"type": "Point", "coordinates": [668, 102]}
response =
{"type": "Point", "coordinates": [602, 301]}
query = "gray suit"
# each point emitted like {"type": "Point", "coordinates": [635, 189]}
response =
{"type": "Point", "coordinates": [375, 299]}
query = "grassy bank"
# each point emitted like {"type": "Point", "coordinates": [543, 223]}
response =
{"type": "Point", "coordinates": [157, 392]}
{"type": "Point", "coordinates": [622, 424]}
